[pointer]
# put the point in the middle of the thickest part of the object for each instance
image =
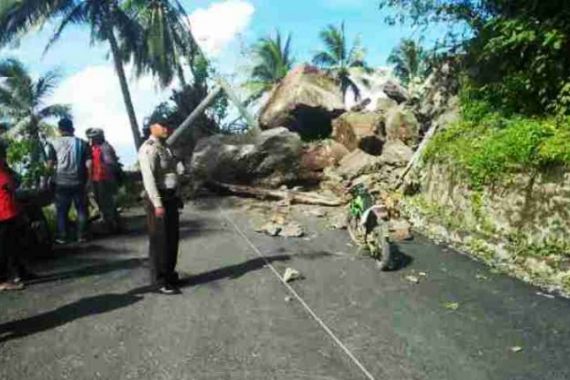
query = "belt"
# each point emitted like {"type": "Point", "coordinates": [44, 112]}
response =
{"type": "Point", "coordinates": [167, 193]}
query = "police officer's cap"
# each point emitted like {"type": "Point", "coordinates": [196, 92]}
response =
{"type": "Point", "coordinates": [157, 118]}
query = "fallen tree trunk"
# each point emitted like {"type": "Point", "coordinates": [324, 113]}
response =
{"type": "Point", "coordinates": [417, 155]}
{"type": "Point", "coordinates": [291, 196]}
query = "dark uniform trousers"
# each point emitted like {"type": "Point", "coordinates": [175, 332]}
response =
{"type": "Point", "coordinates": [163, 239]}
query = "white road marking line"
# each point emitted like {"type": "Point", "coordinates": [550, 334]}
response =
{"type": "Point", "coordinates": [301, 300]}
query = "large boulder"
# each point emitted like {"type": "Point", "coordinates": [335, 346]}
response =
{"type": "Point", "coordinates": [321, 155]}
{"type": "Point", "coordinates": [306, 101]}
{"type": "Point", "coordinates": [396, 153]}
{"type": "Point", "coordinates": [394, 90]}
{"type": "Point", "coordinates": [401, 124]}
{"type": "Point", "coordinates": [272, 158]}
{"type": "Point", "coordinates": [357, 163]}
{"type": "Point", "coordinates": [384, 105]}
{"type": "Point", "coordinates": [360, 130]}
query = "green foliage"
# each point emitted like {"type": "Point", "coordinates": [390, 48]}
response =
{"type": "Point", "coordinates": [338, 58]}
{"type": "Point", "coordinates": [516, 52]}
{"type": "Point", "coordinates": [523, 65]}
{"type": "Point", "coordinates": [487, 147]}
{"type": "Point", "coordinates": [20, 158]}
{"type": "Point", "coordinates": [273, 61]}
{"type": "Point", "coordinates": [548, 247]}
{"type": "Point", "coordinates": [410, 61]}
{"type": "Point", "coordinates": [183, 101]}
{"type": "Point", "coordinates": [158, 40]}
{"type": "Point", "coordinates": [22, 99]}
{"type": "Point", "coordinates": [105, 20]}
{"type": "Point", "coordinates": [23, 108]}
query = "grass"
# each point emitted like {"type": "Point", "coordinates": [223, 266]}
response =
{"type": "Point", "coordinates": [487, 148]}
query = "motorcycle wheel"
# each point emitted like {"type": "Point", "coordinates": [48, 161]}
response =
{"type": "Point", "coordinates": [355, 230]}
{"type": "Point", "coordinates": [380, 248]}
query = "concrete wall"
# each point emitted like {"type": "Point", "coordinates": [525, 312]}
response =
{"type": "Point", "coordinates": [537, 207]}
{"type": "Point", "coordinates": [521, 228]}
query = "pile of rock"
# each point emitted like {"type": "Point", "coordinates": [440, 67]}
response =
{"type": "Point", "coordinates": [376, 139]}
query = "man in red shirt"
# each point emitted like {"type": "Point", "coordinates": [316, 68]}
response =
{"type": "Point", "coordinates": [105, 169]}
{"type": "Point", "coordinates": [10, 213]}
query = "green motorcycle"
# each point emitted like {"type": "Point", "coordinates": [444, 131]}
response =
{"type": "Point", "coordinates": [368, 226]}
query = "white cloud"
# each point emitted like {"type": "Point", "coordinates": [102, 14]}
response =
{"type": "Point", "coordinates": [96, 99]}
{"type": "Point", "coordinates": [94, 92]}
{"type": "Point", "coordinates": [218, 25]}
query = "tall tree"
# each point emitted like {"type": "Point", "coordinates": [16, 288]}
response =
{"type": "Point", "coordinates": [409, 60]}
{"type": "Point", "coordinates": [104, 17]}
{"type": "Point", "coordinates": [23, 104]}
{"type": "Point", "coordinates": [164, 44]}
{"type": "Point", "coordinates": [517, 51]}
{"type": "Point", "coordinates": [273, 59]}
{"type": "Point", "coordinates": [338, 58]}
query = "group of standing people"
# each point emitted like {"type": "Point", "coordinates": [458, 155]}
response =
{"type": "Point", "coordinates": [77, 163]}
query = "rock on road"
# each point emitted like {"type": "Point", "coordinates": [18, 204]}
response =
{"type": "Point", "coordinates": [92, 316]}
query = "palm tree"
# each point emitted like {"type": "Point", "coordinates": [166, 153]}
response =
{"type": "Point", "coordinates": [104, 17]}
{"type": "Point", "coordinates": [165, 42]}
{"type": "Point", "coordinates": [22, 104]}
{"type": "Point", "coordinates": [338, 58]}
{"type": "Point", "coordinates": [409, 60]}
{"type": "Point", "coordinates": [274, 60]}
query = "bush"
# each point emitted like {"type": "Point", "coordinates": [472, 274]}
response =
{"type": "Point", "coordinates": [21, 157]}
{"type": "Point", "coordinates": [487, 146]}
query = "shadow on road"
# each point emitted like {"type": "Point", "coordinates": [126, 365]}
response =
{"type": "Point", "coordinates": [92, 270]}
{"type": "Point", "coordinates": [236, 271]}
{"type": "Point", "coordinates": [88, 249]}
{"type": "Point", "coordinates": [65, 314]}
{"type": "Point", "coordinates": [188, 228]}
{"type": "Point", "coordinates": [401, 260]}
{"type": "Point", "coordinates": [231, 272]}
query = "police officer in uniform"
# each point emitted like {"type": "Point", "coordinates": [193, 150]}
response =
{"type": "Point", "coordinates": [160, 179]}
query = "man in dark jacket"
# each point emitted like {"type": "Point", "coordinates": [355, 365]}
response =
{"type": "Point", "coordinates": [71, 158]}
{"type": "Point", "coordinates": [105, 170]}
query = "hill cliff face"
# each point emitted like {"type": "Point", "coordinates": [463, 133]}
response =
{"type": "Point", "coordinates": [520, 224]}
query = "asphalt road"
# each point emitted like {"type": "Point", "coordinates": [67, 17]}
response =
{"type": "Point", "coordinates": [92, 316]}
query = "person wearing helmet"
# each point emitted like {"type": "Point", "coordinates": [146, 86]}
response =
{"type": "Point", "coordinates": [71, 158]}
{"type": "Point", "coordinates": [105, 172]}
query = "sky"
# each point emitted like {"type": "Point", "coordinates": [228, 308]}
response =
{"type": "Point", "coordinates": [224, 29]}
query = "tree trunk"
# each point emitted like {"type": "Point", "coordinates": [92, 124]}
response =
{"type": "Point", "coordinates": [181, 76]}
{"type": "Point", "coordinates": [418, 153]}
{"type": "Point", "coordinates": [124, 85]}
{"type": "Point", "coordinates": [288, 195]}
